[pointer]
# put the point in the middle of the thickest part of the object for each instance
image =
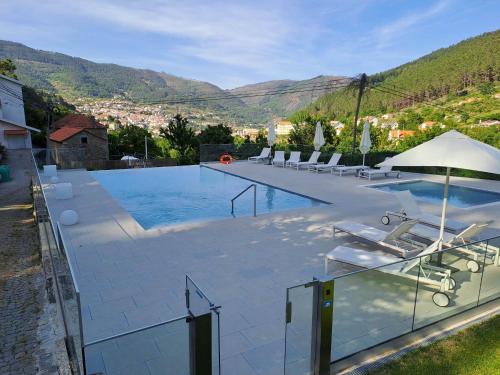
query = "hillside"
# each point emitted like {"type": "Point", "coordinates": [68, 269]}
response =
{"type": "Point", "coordinates": [443, 74]}
{"type": "Point", "coordinates": [74, 78]}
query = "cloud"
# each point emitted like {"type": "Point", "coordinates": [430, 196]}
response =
{"type": "Point", "coordinates": [387, 33]}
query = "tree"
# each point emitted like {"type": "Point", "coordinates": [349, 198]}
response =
{"type": "Point", "coordinates": [303, 133]}
{"type": "Point", "coordinates": [261, 138]}
{"type": "Point", "coordinates": [219, 134]}
{"type": "Point", "coordinates": [8, 68]}
{"type": "Point", "coordinates": [181, 138]}
{"type": "Point", "coordinates": [129, 140]}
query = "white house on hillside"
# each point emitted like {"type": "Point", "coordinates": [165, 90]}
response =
{"type": "Point", "coordinates": [14, 133]}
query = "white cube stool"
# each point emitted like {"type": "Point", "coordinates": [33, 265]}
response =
{"type": "Point", "coordinates": [68, 217]}
{"type": "Point", "coordinates": [49, 170]}
{"type": "Point", "coordinates": [64, 190]}
{"type": "Point", "coordinates": [54, 180]}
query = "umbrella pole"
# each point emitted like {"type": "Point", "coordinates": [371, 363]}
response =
{"type": "Point", "coordinates": [363, 160]}
{"type": "Point", "coordinates": [443, 213]}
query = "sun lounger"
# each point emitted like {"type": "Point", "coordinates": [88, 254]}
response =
{"type": "Point", "coordinates": [394, 240]}
{"type": "Point", "coordinates": [464, 242]}
{"type": "Point", "coordinates": [279, 158]}
{"type": "Point", "coordinates": [384, 171]}
{"type": "Point", "coordinates": [411, 211]}
{"type": "Point", "coordinates": [312, 161]}
{"type": "Point", "coordinates": [332, 163]}
{"type": "Point", "coordinates": [428, 274]}
{"type": "Point", "coordinates": [294, 158]}
{"type": "Point", "coordinates": [265, 154]}
{"type": "Point", "coordinates": [349, 168]}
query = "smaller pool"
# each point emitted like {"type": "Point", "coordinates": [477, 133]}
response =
{"type": "Point", "coordinates": [458, 196]}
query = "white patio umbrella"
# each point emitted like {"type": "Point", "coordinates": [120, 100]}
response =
{"type": "Point", "coordinates": [366, 142]}
{"type": "Point", "coordinates": [319, 140]}
{"type": "Point", "coordinates": [271, 134]}
{"type": "Point", "coordinates": [450, 150]}
{"type": "Point", "coordinates": [128, 157]}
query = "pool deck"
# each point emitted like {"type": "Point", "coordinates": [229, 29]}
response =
{"type": "Point", "coordinates": [130, 278]}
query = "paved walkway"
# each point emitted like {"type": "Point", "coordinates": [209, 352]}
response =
{"type": "Point", "coordinates": [130, 278]}
{"type": "Point", "coordinates": [28, 341]}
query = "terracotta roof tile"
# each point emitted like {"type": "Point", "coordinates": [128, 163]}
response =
{"type": "Point", "coordinates": [77, 120]}
{"type": "Point", "coordinates": [61, 135]}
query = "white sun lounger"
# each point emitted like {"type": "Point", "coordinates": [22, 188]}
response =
{"type": "Point", "coordinates": [294, 158]}
{"type": "Point", "coordinates": [332, 163]}
{"type": "Point", "coordinates": [412, 211]}
{"type": "Point", "coordinates": [463, 242]}
{"type": "Point", "coordinates": [435, 276]}
{"type": "Point", "coordinates": [265, 154]}
{"type": "Point", "coordinates": [342, 169]}
{"type": "Point", "coordinates": [392, 240]}
{"type": "Point", "coordinates": [279, 158]}
{"type": "Point", "coordinates": [312, 161]}
{"type": "Point", "coordinates": [382, 171]}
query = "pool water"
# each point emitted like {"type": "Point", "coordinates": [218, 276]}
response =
{"type": "Point", "coordinates": [165, 196]}
{"type": "Point", "coordinates": [458, 196]}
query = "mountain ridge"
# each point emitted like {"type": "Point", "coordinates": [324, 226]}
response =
{"type": "Point", "coordinates": [75, 77]}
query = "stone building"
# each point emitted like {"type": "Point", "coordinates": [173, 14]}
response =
{"type": "Point", "coordinates": [78, 137]}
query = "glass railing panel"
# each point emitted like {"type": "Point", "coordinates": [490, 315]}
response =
{"type": "Point", "coordinates": [157, 350]}
{"type": "Point", "coordinates": [199, 304]}
{"type": "Point", "coordinates": [447, 286]}
{"type": "Point", "coordinates": [298, 336]}
{"type": "Point", "coordinates": [371, 307]}
{"type": "Point", "coordinates": [490, 285]}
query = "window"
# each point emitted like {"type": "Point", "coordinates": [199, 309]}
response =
{"type": "Point", "coordinates": [84, 140]}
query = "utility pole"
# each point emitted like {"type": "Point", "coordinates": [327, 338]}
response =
{"type": "Point", "coordinates": [146, 147]}
{"type": "Point", "coordinates": [362, 84]}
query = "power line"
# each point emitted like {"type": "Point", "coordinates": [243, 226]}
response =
{"type": "Point", "coordinates": [334, 83]}
{"type": "Point", "coordinates": [390, 91]}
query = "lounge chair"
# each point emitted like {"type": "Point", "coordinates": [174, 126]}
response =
{"type": "Point", "coordinates": [279, 158]}
{"type": "Point", "coordinates": [384, 171]}
{"type": "Point", "coordinates": [411, 211]}
{"type": "Point", "coordinates": [265, 154]}
{"type": "Point", "coordinates": [294, 158]}
{"type": "Point", "coordinates": [313, 160]}
{"type": "Point", "coordinates": [433, 275]}
{"type": "Point", "coordinates": [464, 242]}
{"type": "Point", "coordinates": [397, 239]}
{"type": "Point", "coordinates": [332, 163]}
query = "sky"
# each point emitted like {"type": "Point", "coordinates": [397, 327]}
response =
{"type": "Point", "coordinates": [235, 42]}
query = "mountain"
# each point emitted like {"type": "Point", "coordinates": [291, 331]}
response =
{"type": "Point", "coordinates": [447, 72]}
{"type": "Point", "coordinates": [299, 94]}
{"type": "Point", "coordinates": [73, 78]}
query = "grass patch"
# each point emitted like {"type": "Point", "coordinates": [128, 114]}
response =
{"type": "Point", "coordinates": [475, 350]}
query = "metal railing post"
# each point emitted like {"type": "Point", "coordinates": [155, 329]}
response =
{"type": "Point", "coordinates": [321, 335]}
{"type": "Point", "coordinates": [200, 344]}
{"type": "Point", "coordinates": [254, 199]}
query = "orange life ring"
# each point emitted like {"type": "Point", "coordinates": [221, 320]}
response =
{"type": "Point", "coordinates": [225, 158]}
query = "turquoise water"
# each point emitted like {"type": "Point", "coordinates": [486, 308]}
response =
{"type": "Point", "coordinates": [164, 196]}
{"type": "Point", "coordinates": [458, 196]}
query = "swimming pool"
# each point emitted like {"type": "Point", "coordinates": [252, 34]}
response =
{"type": "Point", "coordinates": [458, 196]}
{"type": "Point", "coordinates": [165, 196]}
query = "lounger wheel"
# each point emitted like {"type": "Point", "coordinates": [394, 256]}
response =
{"type": "Point", "coordinates": [441, 299]}
{"type": "Point", "coordinates": [385, 220]}
{"type": "Point", "coordinates": [473, 266]}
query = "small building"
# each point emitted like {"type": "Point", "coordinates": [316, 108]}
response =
{"type": "Point", "coordinates": [14, 133]}
{"type": "Point", "coordinates": [283, 127]}
{"type": "Point", "coordinates": [488, 123]}
{"type": "Point", "coordinates": [81, 136]}
{"type": "Point", "coordinates": [400, 134]}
